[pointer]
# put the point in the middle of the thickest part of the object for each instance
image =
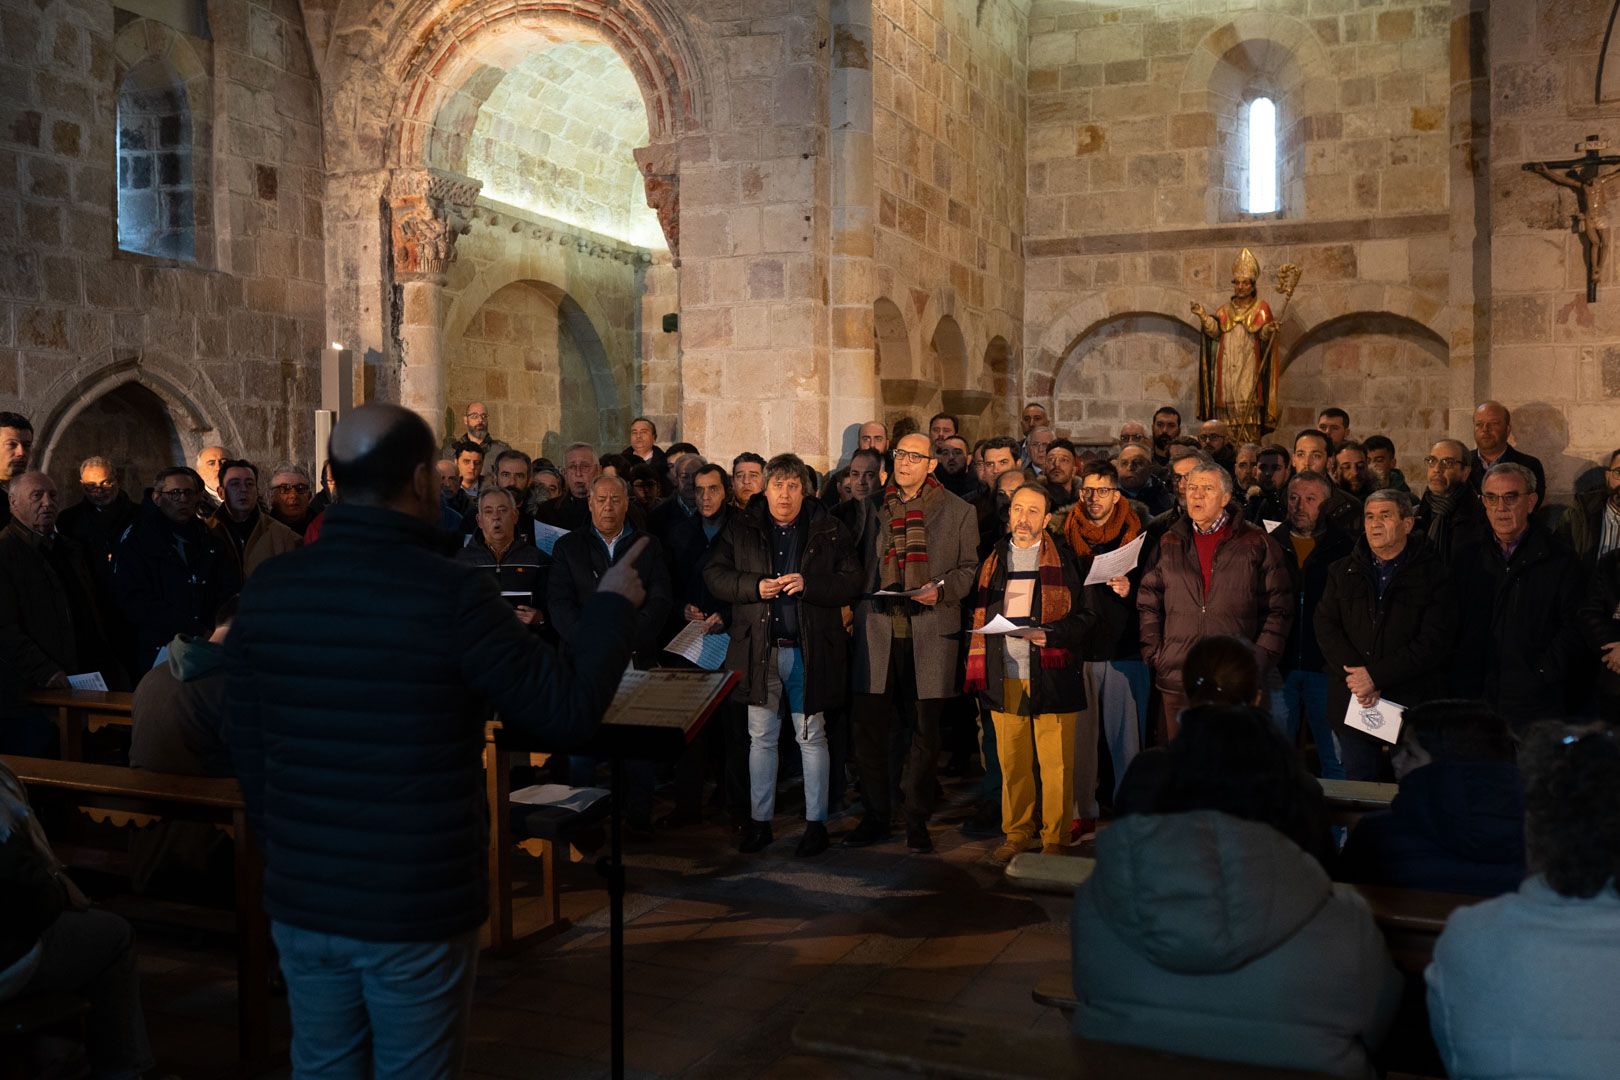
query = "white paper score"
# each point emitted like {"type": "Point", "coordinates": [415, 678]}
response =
{"type": "Point", "coordinates": [1116, 563]}
{"type": "Point", "coordinates": [90, 680]}
{"type": "Point", "coordinates": [1271, 526]}
{"type": "Point", "coordinates": [1003, 625]}
{"type": "Point", "coordinates": [1382, 721]}
{"type": "Point", "coordinates": [707, 651]}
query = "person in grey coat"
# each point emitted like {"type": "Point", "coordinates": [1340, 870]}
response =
{"type": "Point", "coordinates": [906, 647]}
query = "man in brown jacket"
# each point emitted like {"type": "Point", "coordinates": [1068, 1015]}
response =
{"type": "Point", "coordinates": [1213, 573]}
{"type": "Point", "coordinates": [250, 534]}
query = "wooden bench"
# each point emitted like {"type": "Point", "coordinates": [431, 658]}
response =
{"type": "Point", "coordinates": [1348, 800]}
{"type": "Point", "coordinates": [498, 762]}
{"type": "Point", "coordinates": [1049, 873]}
{"type": "Point", "coordinates": [193, 798]}
{"type": "Point", "coordinates": [79, 711]}
{"type": "Point", "coordinates": [934, 1045]}
{"type": "Point", "coordinates": [1411, 919]}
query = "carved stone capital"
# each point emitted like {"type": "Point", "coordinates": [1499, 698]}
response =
{"type": "Point", "coordinates": [429, 209]}
{"type": "Point", "coordinates": [660, 171]}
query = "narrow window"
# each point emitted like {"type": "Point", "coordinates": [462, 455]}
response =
{"type": "Point", "coordinates": [1260, 187]}
{"type": "Point", "coordinates": [156, 215]}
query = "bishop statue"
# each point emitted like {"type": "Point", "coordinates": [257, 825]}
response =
{"type": "Point", "coordinates": [1238, 371]}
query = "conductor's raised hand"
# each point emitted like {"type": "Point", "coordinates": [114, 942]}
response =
{"type": "Point", "coordinates": [624, 579]}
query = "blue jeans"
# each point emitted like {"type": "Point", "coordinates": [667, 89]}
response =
{"type": "Point", "coordinates": [1307, 690]}
{"type": "Point", "coordinates": [1122, 688]}
{"type": "Point", "coordinates": [784, 677]}
{"type": "Point", "coordinates": [376, 1009]}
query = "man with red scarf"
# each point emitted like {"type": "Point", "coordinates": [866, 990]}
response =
{"type": "Point", "coordinates": [924, 546]}
{"type": "Point", "coordinates": [1031, 679]}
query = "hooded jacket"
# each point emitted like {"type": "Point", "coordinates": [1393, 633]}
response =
{"type": "Point", "coordinates": [1207, 935]}
{"type": "Point", "coordinates": [179, 712]}
{"type": "Point", "coordinates": [1454, 826]}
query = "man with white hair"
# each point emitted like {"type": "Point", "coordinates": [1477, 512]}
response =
{"type": "Point", "coordinates": [100, 518]}
{"type": "Point", "coordinates": [1213, 573]}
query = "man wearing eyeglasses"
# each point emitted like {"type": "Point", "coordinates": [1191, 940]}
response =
{"type": "Point", "coordinates": [1518, 591]}
{"type": "Point", "coordinates": [96, 521]}
{"type": "Point", "coordinates": [251, 535]}
{"type": "Point", "coordinates": [1216, 441]}
{"type": "Point", "coordinates": [1592, 526]}
{"type": "Point", "coordinates": [291, 494]}
{"type": "Point", "coordinates": [477, 422]}
{"type": "Point", "coordinates": [1450, 514]}
{"type": "Point", "coordinates": [170, 573]}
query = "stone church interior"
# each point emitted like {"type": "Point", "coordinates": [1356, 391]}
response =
{"type": "Point", "coordinates": [774, 227]}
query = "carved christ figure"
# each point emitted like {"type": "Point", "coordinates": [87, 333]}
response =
{"type": "Point", "coordinates": [1237, 378]}
{"type": "Point", "coordinates": [1592, 188]}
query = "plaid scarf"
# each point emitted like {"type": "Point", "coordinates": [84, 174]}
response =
{"type": "Point", "coordinates": [905, 553]}
{"type": "Point", "coordinates": [1121, 528]}
{"type": "Point", "coordinates": [1052, 606]}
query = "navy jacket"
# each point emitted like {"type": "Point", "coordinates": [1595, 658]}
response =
{"type": "Point", "coordinates": [360, 672]}
{"type": "Point", "coordinates": [162, 592]}
{"type": "Point", "coordinates": [578, 562]}
{"type": "Point", "coordinates": [1454, 826]}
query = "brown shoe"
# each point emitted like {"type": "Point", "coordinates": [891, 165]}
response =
{"type": "Point", "coordinates": [1054, 849]}
{"type": "Point", "coordinates": [1004, 854]}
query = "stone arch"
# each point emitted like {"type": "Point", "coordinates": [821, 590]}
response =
{"type": "Point", "coordinates": [1259, 54]}
{"type": "Point", "coordinates": [1390, 372]}
{"type": "Point", "coordinates": [947, 362]}
{"type": "Point", "coordinates": [156, 61]}
{"type": "Point", "coordinates": [1314, 307]}
{"type": "Point", "coordinates": [1121, 367]}
{"type": "Point", "coordinates": [192, 403]}
{"type": "Point", "coordinates": [130, 426]}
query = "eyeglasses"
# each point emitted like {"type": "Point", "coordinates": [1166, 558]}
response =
{"type": "Point", "coordinates": [1506, 498]}
{"type": "Point", "coordinates": [289, 489]}
{"type": "Point", "coordinates": [1133, 438]}
{"type": "Point", "coordinates": [1094, 494]}
{"type": "Point", "coordinates": [912, 457]}
{"type": "Point", "coordinates": [98, 485]}
{"type": "Point", "coordinates": [1202, 489]}
{"type": "Point", "coordinates": [477, 416]}
{"type": "Point", "coordinates": [1212, 437]}
{"type": "Point", "coordinates": [178, 494]}
{"type": "Point", "coordinates": [1613, 472]}
{"type": "Point", "coordinates": [1444, 462]}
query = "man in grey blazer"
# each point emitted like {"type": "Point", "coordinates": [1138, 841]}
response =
{"type": "Point", "coordinates": [924, 542]}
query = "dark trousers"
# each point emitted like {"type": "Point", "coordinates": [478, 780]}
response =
{"type": "Point", "coordinates": [876, 716]}
{"type": "Point", "coordinates": [1363, 756]}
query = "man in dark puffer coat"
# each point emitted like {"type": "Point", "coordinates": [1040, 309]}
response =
{"type": "Point", "coordinates": [360, 671]}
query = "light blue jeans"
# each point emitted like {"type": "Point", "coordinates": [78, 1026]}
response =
{"type": "Point", "coordinates": [376, 1009]}
{"type": "Point", "coordinates": [1122, 688]}
{"type": "Point", "coordinates": [784, 674]}
{"type": "Point", "coordinates": [1306, 691]}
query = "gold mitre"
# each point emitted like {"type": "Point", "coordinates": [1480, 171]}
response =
{"type": "Point", "coordinates": [1246, 266]}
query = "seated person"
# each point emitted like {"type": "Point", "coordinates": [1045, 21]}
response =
{"type": "Point", "coordinates": [1524, 985]}
{"type": "Point", "coordinates": [1210, 927]}
{"type": "Point", "coordinates": [178, 714]}
{"type": "Point", "coordinates": [53, 942]}
{"type": "Point", "coordinates": [1457, 824]}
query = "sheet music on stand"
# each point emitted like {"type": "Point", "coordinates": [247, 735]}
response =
{"type": "Point", "coordinates": [655, 713]}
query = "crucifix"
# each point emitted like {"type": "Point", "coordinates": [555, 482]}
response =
{"type": "Point", "coordinates": [1589, 176]}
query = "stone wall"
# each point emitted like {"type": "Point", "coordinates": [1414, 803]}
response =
{"type": "Point", "coordinates": [948, 104]}
{"type": "Point", "coordinates": [229, 343]}
{"type": "Point", "coordinates": [1554, 357]}
{"type": "Point", "coordinates": [1136, 157]}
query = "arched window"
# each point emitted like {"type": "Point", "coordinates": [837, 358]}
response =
{"type": "Point", "coordinates": [156, 208]}
{"type": "Point", "coordinates": [1260, 174]}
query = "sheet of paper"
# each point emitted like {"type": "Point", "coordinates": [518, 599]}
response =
{"type": "Point", "coordinates": [662, 698]}
{"type": "Point", "coordinates": [1271, 526]}
{"type": "Point", "coordinates": [577, 799]}
{"type": "Point", "coordinates": [162, 656]}
{"type": "Point", "coordinates": [1003, 625]}
{"type": "Point", "coordinates": [1116, 563]}
{"type": "Point", "coordinates": [911, 592]}
{"type": "Point", "coordinates": [1382, 721]}
{"type": "Point", "coordinates": [707, 651]}
{"type": "Point", "coordinates": [90, 680]}
{"type": "Point", "coordinates": [546, 536]}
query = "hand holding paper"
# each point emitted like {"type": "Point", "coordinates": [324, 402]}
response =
{"type": "Point", "coordinates": [1003, 625]}
{"type": "Point", "coordinates": [1116, 563]}
{"type": "Point", "coordinates": [1382, 721]}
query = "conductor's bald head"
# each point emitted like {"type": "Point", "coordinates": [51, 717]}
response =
{"type": "Point", "coordinates": [381, 455]}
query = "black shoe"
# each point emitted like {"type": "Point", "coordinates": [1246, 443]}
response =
{"type": "Point", "coordinates": [866, 833]}
{"type": "Point", "coordinates": [757, 837]}
{"type": "Point", "coordinates": [985, 822]}
{"type": "Point", "coordinates": [814, 840]}
{"type": "Point", "coordinates": [917, 838]}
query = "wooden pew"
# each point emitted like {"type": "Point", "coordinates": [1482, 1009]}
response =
{"type": "Point", "coordinates": [79, 711]}
{"type": "Point", "coordinates": [1348, 800]}
{"type": "Point", "coordinates": [193, 798]}
{"type": "Point", "coordinates": [934, 1045]}
{"type": "Point", "coordinates": [498, 762]}
{"type": "Point", "coordinates": [1411, 919]}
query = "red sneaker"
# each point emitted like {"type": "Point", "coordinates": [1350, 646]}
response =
{"type": "Point", "coordinates": [1082, 828]}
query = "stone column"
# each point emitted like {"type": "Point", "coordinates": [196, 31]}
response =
{"type": "Point", "coordinates": [428, 210]}
{"type": "Point", "coordinates": [1470, 117]}
{"type": "Point", "coordinates": [853, 381]}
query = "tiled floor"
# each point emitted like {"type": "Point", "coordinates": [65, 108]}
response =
{"type": "Point", "coordinates": [724, 953]}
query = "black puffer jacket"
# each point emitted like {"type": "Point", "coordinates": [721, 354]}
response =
{"type": "Point", "coordinates": [1520, 648]}
{"type": "Point", "coordinates": [360, 671]}
{"type": "Point", "coordinates": [1404, 643]}
{"type": "Point", "coordinates": [741, 558]}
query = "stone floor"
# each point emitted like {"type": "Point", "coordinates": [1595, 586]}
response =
{"type": "Point", "coordinates": [724, 952]}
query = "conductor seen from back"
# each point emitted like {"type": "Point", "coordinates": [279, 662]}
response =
{"type": "Point", "coordinates": [359, 674]}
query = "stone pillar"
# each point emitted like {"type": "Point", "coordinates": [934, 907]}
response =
{"type": "Point", "coordinates": [428, 209]}
{"type": "Point", "coordinates": [358, 282]}
{"type": "Point", "coordinates": [852, 349]}
{"type": "Point", "coordinates": [1470, 115]}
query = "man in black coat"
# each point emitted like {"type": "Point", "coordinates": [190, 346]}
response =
{"type": "Point", "coordinates": [170, 572]}
{"type": "Point", "coordinates": [96, 521]}
{"type": "Point", "coordinates": [1493, 424]}
{"type": "Point", "coordinates": [787, 568]}
{"type": "Point", "coordinates": [360, 673]}
{"type": "Point", "coordinates": [1385, 624]}
{"type": "Point", "coordinates": [1311, 544]}
{"type": "Point", "coordinates": [1518, 593]}
{"type": "Point", "coordinates": [579, 561]}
